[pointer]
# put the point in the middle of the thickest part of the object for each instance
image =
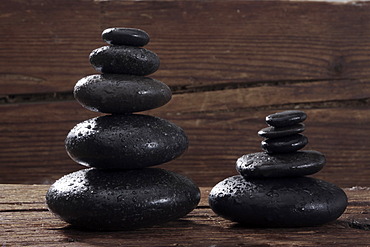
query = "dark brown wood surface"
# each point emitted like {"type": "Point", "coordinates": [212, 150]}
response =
{"type": "Point", "coordinates": [25, 221]}
{"type": "Point", "coordinates": [228, 63]}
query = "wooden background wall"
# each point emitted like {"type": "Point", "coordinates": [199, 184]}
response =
{"type": "Point", "coordinates": [229, 64]}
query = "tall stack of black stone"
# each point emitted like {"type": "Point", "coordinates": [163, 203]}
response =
{"type": "Point", "coordinates": [119, 191]}
{"type": "Point", "coordinates": [272, 189]}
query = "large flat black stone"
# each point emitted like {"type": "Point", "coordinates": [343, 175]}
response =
{"type": "Point", "coordinates": [277, 202]}
{"type": "Point", "coordinates": [116, 93]}
{"type": "Point", "coordinates": [263, 165]}
{"type": "Point", "coordinates": [119, 200]}
{"type": "Point", "coordinates": [125, 141]}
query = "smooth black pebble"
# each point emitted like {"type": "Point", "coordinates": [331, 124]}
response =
{"type": "Point", "coordinates": [125, 36]}
{"type": "Point", "coordinates": [274, 132]}
{"type": "Point", "coordinates": [118, 200]}
{"type": "Point", "coordinates": [286, 118]}
{"type": "Point", "coordinates": [124, 60]}
{"type": "Point", "coordinates": [277, 202]}
{"type": "Point", "coordinates": [125, 141]}
{"type": "Point", "coordinates": [264, 165]}
{"type": "Point", "coordinates": [116, 93]}
{"type": "Point", "coordinates": [284, 144]}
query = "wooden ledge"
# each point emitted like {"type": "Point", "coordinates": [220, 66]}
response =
{"type": "Point", "coordinates": [26, 221]}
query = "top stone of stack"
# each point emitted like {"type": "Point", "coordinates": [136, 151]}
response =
{"type": "Point", "coordinates": [286, 118]}
{"type": "Point", "coordinates": [125, 36]}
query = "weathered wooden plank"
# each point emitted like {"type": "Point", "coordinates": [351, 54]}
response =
{"type": "Point", "coordinates": [264, 95]}
{"type": "Point", "coordinates": [32, 141]}
{"type": "Point", "coordinates": [271, 55]}
{"type": "Point", "coordinates": [28, 226]}
{"type": "Point", "coordinates": [15, 197]}
{"type": "Point", "coordinates": [45, 44]}
{"type": "Point", "coordinates": [250, 40]}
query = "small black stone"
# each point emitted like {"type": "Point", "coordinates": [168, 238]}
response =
{"type": "Point", "coordinates": [286, 118]}
{"type": "Point", "coordinates": [119, 200]}
{"type": "Point", "coordinates": [274, 132]}
{"type": "Point", "coordinates": [124, 60]}
{"type": "Point", "coordinates": [277, 202]}
{"type": "Point", "coordinates": [264, 165]}
{"type": "Point", "coordinates": [284, 144]}
{"type": "Point", "coordinates": [125, 36]}
{"type": "Point", "coordinates": [125, 141]}
{"type": "Point", "coordinates": [116, 93]}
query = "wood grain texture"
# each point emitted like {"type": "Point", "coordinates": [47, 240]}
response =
{"type": "Point", "coordinates": [27, 222]}
{"type": "Point", "coordinates": [45, 43]}
{"type": "Point", "coordinates": [228, 63]}
{"type": "Point", "coordinates": [33, 141]}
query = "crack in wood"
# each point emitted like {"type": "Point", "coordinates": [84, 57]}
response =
{"type": "Point", "coordinates": [179, 89]}
{"type": "Point", "coordinates": [36, 98]}
{"type": "Point", "coordinates": [364, 102]}
{"type": "Point", "coordinates": [20, 77]}
{"type": "Point", "coordinates": [185, 89]}
{"type": "Point", "coordinates": [24, 210]}
{"type": "Point", "coordinates": [20, 203]}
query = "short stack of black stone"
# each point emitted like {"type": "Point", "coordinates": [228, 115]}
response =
{"type": "Point", "coordinates": [272, 189]}
{"type": "Point", "coordinates": [119, 191]}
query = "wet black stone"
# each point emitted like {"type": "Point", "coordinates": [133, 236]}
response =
{"type": "Point", "coordinates": [284, 144]}
{"type": "Point", "coordinates": [125, 36]}
{"type": "Point", "coordinates": [277, 202]}
{"type": "Point", "coordinates": [286, 118]}
{"type": "Point", "coordinates": [125, 141]}
{"type": "Point", "coordinates": [274, 132]}
{"type": "Point", "coordinates": [118, 200]}
{"type": "Point", "coordinates": [116, 93]}
{"type": "Point", "coordinates": [124, 60]}
{"type": "Point", "coordinates": [264, 165]}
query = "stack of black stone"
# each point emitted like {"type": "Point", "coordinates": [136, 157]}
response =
{"type": "Point", "coordinates": [272, 189]}
{"type": "Point", "coordinates": [119, 191]}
